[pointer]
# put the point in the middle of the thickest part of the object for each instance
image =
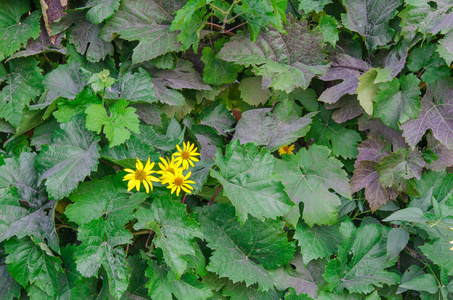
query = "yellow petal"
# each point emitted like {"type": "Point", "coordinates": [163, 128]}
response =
{"type": "Point", "coordinates": [179, 149]}
{"type": "Point", "coordinates": [191, 163]}
{"type": "Point", "coordinates": [188, 175]}
{"type": "Point", "coordinates": [148, 166]}
{"type": "Point", "coordinates": [129, 170]}
{"type": "Point", "coordinates": [146, 186]}
{"type": "Point", "coordinates": [137, 185]}
{"type": "Point", "coordinates": [139, 165]}
{"type": "Point", "coordinates": [178, 190]}
{"type": "Point", "coordinates": [185, 190]}
{"type": "Point", "coordinates": [194, 159]}
{"type": "Point", "coordinates": [191, 147]}
{"type": "Point", "coordinates": [189, 181]}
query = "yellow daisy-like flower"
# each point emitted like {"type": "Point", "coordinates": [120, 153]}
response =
{"type": "Point", "coordinates": [286, 149]}
{"type": "Point", "coordinates": [141, 175]}
{"type": "Point", "coordinates": [186, 156]}
{"type": "Point", "coordinates": [178, 181]}
{"type": "Point", "coordinates": [168, 166]}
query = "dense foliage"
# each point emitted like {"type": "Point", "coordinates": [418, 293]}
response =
{"type": "Point", "coordinates": [325, 133]}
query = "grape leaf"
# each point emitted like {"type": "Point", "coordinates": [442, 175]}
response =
{"type": "Point", "coordinates": [67, 81]}
{"type": "Point", "coordinates": [362, 260]}
{"type": "Point", "coordinates": [219, 118]}
{"type": "Point", "coordinates": [99, 238]}
{"type": "Point", "coordinates": [347, 108]}
{"type": "Point", "coordinates": [71, 157]}
{"type": "Point", "coordinates": [307, 177]}
{"type": "Point", "coordinates": [240, 291]}
{"type": "Point", "coordinates": [444, 155]}
{"type": "Point", "coordinates": [397, 101]}
{"type": "Point", "coordinates": [313, 5]}
{"type": "Point", "coordinates": [367, 90]}
{"type": "Point", "coordinates": [425, 58]}
{"type": "Point", "coordinates": [105, 198]}
{"type": "Point", "coordinates": [101, 10]}
{"type": "Point", "coordinates": [237, 246]}
{"type": "Point", "coordinates": [435, 114]}
{"type": "Point", "coordinates": [168, 141]}
{"type": "Point", "coordinates": [273, 130]}
{"type": "Point", "coordinates": [69, 108]}
{"type": "Point", "coordinates": [144, 21]}
{"type": "Point", "coordinates": [285, 61]}
{"type": "Point", "coordinates": [252, 92]}
{"type": "Point", "coordinates": [137, 87]}
{"type": "Point", "coordinates": [175, 232]}
{"type": "Point", "coordinates": [340, 140]}
{"type": "Point", "coordinates": [439, 253]}
{"type": "Point", "coordinates": [20, 173]}
{"type": "Point", "coordinates": [376, 128]}
{"type": "Point", "coordinates": [317, 241]}
{"type": "Point", "coordinates": [217, 71]}
{"type": "Point", "coordinates": [23, 85]}
{"type": "Point", "coordinates": [126, 154]}
{"type": "Point", "coordinates": [117, 125]}
{"type": "Point", "coordinates": [15, 32]}
{"type": "Point", "coordinates": [445, 47]}
{"type": "Point", "coordinates": [31, 263]}
{"type": "Point", "coordinates": [328, 26]}
{"type": "Point", "coordinates": [372, 149]}
{"type": "Point", "coordinates": [248, 181]}
{"type": "Point", "coordinates": [9, 288]}
{"type": "Point", "coordinates": [161, 288]}
{"type": "Point", "coordinates": [371, 20]}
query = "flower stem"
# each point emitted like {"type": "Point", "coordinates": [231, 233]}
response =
{"type": "Point", "coordinates": [183, 198]}
{"type": "Point", "coordinates": [215, 195]}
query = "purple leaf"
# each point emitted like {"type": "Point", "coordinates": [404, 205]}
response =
{"type": "Point", "coordinates": [373, 149]}
{"type": "Point", "coordinates": [348, 69]}
{"type": "Point", "coordinates": [348, 108]}
{"type": "Point", "coordinates": [376, 128]}
{"type": "Point", "coordinates": [445, 155]}
{"type": "Point", "coordinates": [436, 114]}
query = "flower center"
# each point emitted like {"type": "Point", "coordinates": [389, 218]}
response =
{"type": "Point", "coordinates": [185, 155]}
{"type": "Point", "coordinates": [286, 149]}
{"type": "Point", "coordinates": [179, 181]}
{"type": "Point", "coordinates": [140, 175]}
{"type": "Point", "coordinates": [171, 170]}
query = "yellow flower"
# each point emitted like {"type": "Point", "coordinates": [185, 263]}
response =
{"type": "Point", "coordinates": [168, 166]}
{"type": "Point", "coordinates": [286, 149]}
{"type": "Point", "coordinates": [178, 181]}
{"type": "Point", "coordinates": [140, 175]}
{"type": "Point", "coordinates": [186, 156]}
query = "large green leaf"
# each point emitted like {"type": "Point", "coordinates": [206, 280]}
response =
{"type": "Point", "coordinates": [117, 126]}
{"type": "Point", "coordinates": [371, 20]}
{"type": "Point", "coordinates": [308, 177]}
{"type": "Point", "coordinates": [134, 87]}
{"type": "Point", "coordinates": [286, 61]}
{"type": "Point", "coordinates": [106, 198]}
{"type": "Point", "coordinates": [219, 118]}
{"type": "Point", "coordinates": [439, 252]}
{"type": "Point", "coordinates": [175, 232]}
{"type": "Point", "coordinates": [362, 260]}
{"type": "Point", "coordinates": [71, 157]}
{"type": "Point", "coordinates": [238, 247]}
{"type": "Point", "coordinates": [273, 130]}
{"type": "Point", "coordinates": [23, 85]}
{"type": "Point", "coordinates": [31, 263]}
{"type": "Point", "coordinates": [101, 10]}
{"type": "Point", "coordinates": [15, 32]}
{"type": "Point", "coordinates": [161, 287]}
{"type": "Point", "coordinates": [144, 21]}
{"type": "Point", "coordinates": [398, 101]}
{"type": "Point", "coordinates": [9, 288]}
{"type": "Point", "coordinates": [99, 240]}
{"type": "Point", "coordinates": [248, 181]}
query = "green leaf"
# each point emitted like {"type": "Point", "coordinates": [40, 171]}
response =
{"type": "Point", "coordinates": [362, 260]}
{"type": "Point", "coordinates": [313, 5]}
{"type": "Point", "coordinates": [439, 253]}
{"type": "Point", "coordinates": [285, 61]}
{"type": "Point", "coordinates": [307, 177]}
{"type": "Point", "coordinates": [425, 58]}
{"type": "Point", "coordinates": [328, 26]}
{"type": "Point", "coordinates": [144, 21]}
{"type": "Point", "coordinates": [136, 87]}
{"type": "Point", "coordinates": [15, 32]}
{"type": "Point", "coordinates": [339, 139]}
{"type": "Point", "coordinates": [371, 20]}
{"type": "Point", "coordinates": [398, 101]}
{"type": "Point", "coordinates": [219, 118]}
{"type": "Point", "coordinates": [23, 85]}
{"type": "Point", "coordinates": [42, 134]}
{"type": "Point", "coordinates": [426, 282]}
{"type": "Point", "coordinates": [168, 141]}
{"type": "Point", "coordinates": [410, 214]}
{"type": "Point", "coordinates": [9, 288]}
{"type": "Point", "coordinates": [240, 291]}
{"type": "Point", "coordinates": [445, 48]}
{"type": "Point", "coordinates": [367, 90]}
{"type": "Point", "coordinates": [273, 130]}
{"type": "Point", "coordinates": [252, 91]}
{"type": "Point", "coordinates": [66, 81]}
{"type": "Point", "coordinates": [235, 258]}
{"type": "Point", "coordinates": [175, 232]}
{"type": "Point", "coordinates": [396, 241]}
{"type": "Point", "coordinates": [31, 263]}
{"type": "Point", "coordinates": [248, 181]}
{"type": "Point", "coordinates": [187, 287]}
{"type": "Point", "coordinates": [217, 71]}
{"type": "Point", "coordinates": [67, 109]}
{"type": "Point", "coordinates": [71, 157]}
{"type": "Point", "coordinates": [317, 241]}
{"type": "Point", "coordinates": [99, 238]}
{"type": "Point", "coordinates": [126, 154]}
{"type": "Point", "coordinates": [101, 10]}
{"type": "Point", "coordinates": [191, 28]}
{"type": "Point", "coordinates": [102, 198]}
{"type": "Point", "coordinates": [117, 125]}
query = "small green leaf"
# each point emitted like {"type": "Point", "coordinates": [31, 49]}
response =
{"type": "Point", "coordinates": [445, 48]}
{"type": "Point", "coordinates": [328, 26]}
{"type": "Point", "coordinates": [117, 126]}
{"type": "Point", "coordinates": [69, 108]}
{"type": "Point", "coordinates": [426, 282]}
{"type": "Point", "coordinates": [101, 10]}
{"type": "Point", "coordinates": [367, 90]}
{"type": "Point", "coordinates": [313, 5]}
